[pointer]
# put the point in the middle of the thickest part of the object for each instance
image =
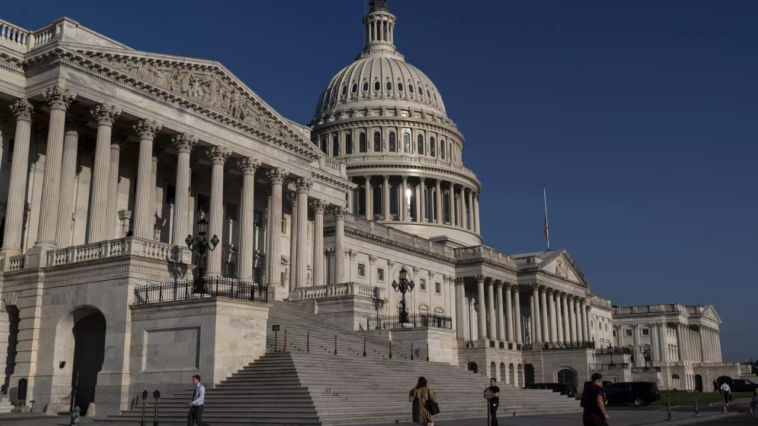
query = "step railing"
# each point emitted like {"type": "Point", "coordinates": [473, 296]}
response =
{"type": "Point", "coordinates": [200, 288]}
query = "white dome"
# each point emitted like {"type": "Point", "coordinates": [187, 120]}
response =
{"type": "Point", "coordinates": [384, 80]}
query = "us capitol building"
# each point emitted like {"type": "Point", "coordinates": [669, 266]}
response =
{"type": "Point", "coordinates": [111, 157]}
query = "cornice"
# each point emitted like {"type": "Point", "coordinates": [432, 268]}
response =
{"type": "Point", "coordinates": [334, 181]}
{"type": "Point", "coordinates": [391, 243]}
{"type": "Point", "coordinates": [535, 271]}
{"type": "Point", "coordinates": [388, 121]}
{"type": "Point", "coordinates": [460, 175]}
{"type": "Point", "coordinates": [486, 262]}
{"type": "Point", "coordinates": [9, 65]}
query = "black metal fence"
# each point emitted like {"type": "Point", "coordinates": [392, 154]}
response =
{"type": "Point", "coordinates": [200, 288]}
{"type": "Point", "coordinates": [569, 345]}
{"type": "Point", "coordinates": [416, 320]}
{"type": "Point", "coordinates": [614, 350]}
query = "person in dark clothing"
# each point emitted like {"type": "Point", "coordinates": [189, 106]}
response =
{"type": "Point", "coordinates": [495, 401]}
{"type": "Point", "coordinates": [196, 406]}
{"type": "Point", "coordinates": [593, 402]}
{"type": "Point", "coordinates": [715, 386]}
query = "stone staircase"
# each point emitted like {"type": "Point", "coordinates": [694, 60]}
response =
{"type": "Point", "coordinates": [318, 387]}
{"type": "Point", "coordinates": [5, 405]}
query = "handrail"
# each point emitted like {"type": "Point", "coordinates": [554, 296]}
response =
{"type": "Point", "coordinates": [200, 288]}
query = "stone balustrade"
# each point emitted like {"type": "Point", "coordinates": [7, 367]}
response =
{"type": "Point", "coordinates": [113, 248]}
{"type": "Point", "coordinates": [484, 252]}
{"type": "Point", "coordinates": [15, 263]}
{"type": "Point", "coordinates": [648, 309]}
{"type": "Point", "coordinates": [335, 290]}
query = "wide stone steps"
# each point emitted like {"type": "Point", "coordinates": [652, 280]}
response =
{"type": "Point", "coordinates": [321, 388]}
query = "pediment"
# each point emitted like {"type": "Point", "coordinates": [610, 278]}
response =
{"type": "Point", "coordinates": [563, 266]}
{"type": "Point", "coordinates": [205, 83]}
{"type": "Point", "coordinates": [711, 314]}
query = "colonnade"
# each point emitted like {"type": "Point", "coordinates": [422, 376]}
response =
{"type": "Point", "coordinates": [418, 199]}
{"type": "Point", "coordinates": [60, 179]}
{"type": "Point", "coordinates": [674, 342]}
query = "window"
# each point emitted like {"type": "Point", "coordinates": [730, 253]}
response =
{"type": "Point", "coordinates": [422, 284]}
{"type": "Point", "coordinates": [442, 150]}
{"type": "Point", "coordinates": [380, 274]}
{"type": "Point", "coordinates": [393, 144]}
{"type": "Point", "coordinates": [170, 194]}
{"type": "Point", "coordinates": [428, 95]}
{"type": "Point", "coordinates": [348, 143]}
{"type": "Point", "coordinates": [344, 90]}
{"type": "Point", "coordinates": [335, 146]}
{"type": "Point", "coordinates": [284, 225]}
{"type": "Point", "coordinates": [388, 86]}
{"type": "Point", "coordinates": [420, 144]}
{"type": "Point", "coordinates": [438, 288]}
{"type": "Point", "coordinates": [399, 87]}
{"type": "Point", "coordinates": [363, 144]}
{"type": "Point", "coordinates": [231, 212]}
{"type": "Point", "coordinates": [431, 147]}
{"type": "Point", "coordinates": [377, 86]}
{"type": "Point", "coordinates": [361, 270]}
{"type": "Point", "coordinates": [377, 142]}
{"type": "Point", "coordinates": [11, 146]}
{"type": "Point", "coordinates": [645, 332]}
{"type": "Point", "coordinates": [420, 91]}
{"type": "Point", "coordinates": [628, 333]}
{"type": "Point", "coordinates": [323, 145]}
{"type": "Point", "coordinates": [365, 86]}
{"type": "Point", "coordinates": [355, 88]}
{"type": "Point", "coordinates": [614, 333]}
{"type": "Point", "coordinates": [410, 88]}
{"type": "Point", "coordinates": [406, 142]}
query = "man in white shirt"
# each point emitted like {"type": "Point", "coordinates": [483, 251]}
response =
{"type": "Point", "coordinates": [725, 390]}
{"type": "Point", "coordinates": [196, 406]}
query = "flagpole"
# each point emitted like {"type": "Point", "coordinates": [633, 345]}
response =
{"type": "Point", "coordinates": [547, 226]}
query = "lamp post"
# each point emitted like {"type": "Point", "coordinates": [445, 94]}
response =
{"type": "Point", "coordinates": [403, 287]}
{"type": "Point", "coordinates": [378, 304]}
{"type": "Point", "coordinates": [610, 350]}
{"type": "Point", "coordinates": [201, 244]}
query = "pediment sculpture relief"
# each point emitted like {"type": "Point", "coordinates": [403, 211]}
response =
{"type": "Point", "coordinates": [561, 267]}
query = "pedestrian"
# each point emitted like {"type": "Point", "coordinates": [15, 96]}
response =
{"type": "Point", "coordinates": [495, 401]}
{"type": "Point", "coordinates": [726, 391]}
{"type": "Point", "coordinates": [419, 396]}
{"type": "Point", "coordinates": [754, 404]}
{"type": "Point", "coordinates": [196, 406]}
{"type": "Point", "coordinates": [715, 386]}
{"type": "Point", "coordinates": [593, 402]}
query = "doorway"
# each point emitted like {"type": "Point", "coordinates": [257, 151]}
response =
{"type": "Point", "coordinates": [568, 376]}
{"type": "Point", "coordinates": [699, 383]}
{"type": "Point", "coordinates": [528, 374]}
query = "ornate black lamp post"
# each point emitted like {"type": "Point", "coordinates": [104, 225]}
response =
{"type": "Point", "coordinates": [379, 305]}
{"type": "Point", "coordinates": [201, 244]}
{"type": "Point", "coordinates": [610, 349]}
{"type": "Point", "coordinates": [403, 287]}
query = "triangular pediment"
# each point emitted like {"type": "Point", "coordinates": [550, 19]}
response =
{"type": "Point", "coordinates": [711, 314]}
{"type": "Point", "coordinates": [561, 265]}
{"type": "Point", "coordinates": [205, 84]}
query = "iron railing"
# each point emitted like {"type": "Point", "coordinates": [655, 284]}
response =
{"type": "Point", "coordinates": [569, 345]}
{"type": "Point", "coordinates": [614, 350]}
{"type": "Point", "coordinates": [416, 320]}
{"type": "Point", "coordinates": [211, 287]}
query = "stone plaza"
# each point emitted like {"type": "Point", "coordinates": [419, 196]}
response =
{"type": "Point", "coordinates": [110, 157]}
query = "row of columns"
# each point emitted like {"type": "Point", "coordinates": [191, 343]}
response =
{"type": "Point", "coordinates": [462, 206]}
{"type": "Point", "coordinates": [379, 30]}
{"type": "Point", "coordinates": [692, 345]}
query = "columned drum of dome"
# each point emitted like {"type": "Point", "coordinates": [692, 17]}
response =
{"type": "Point", "coordinates": [387, 122]}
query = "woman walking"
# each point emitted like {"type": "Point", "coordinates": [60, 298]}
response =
{"type": "Point", "coordinates": [419, 397]}
{"type": "Point", "coordinates": [754, 404]}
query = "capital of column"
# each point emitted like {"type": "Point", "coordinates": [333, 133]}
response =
{"type": "Point", "coordinates": [59, 98]}
{"type": "Point", "coordinates": [351, 253]}
{"type": "Point", "coordinates": [481, 278]}
{"type": "Point", "coordinates": [277, 175]}
{"type": "Point", "coordinates": [292, 198]}
{"type": "Point", "coordinates": [405, 178]}
{"type": "Point", "coordinates": [459, 281]}
{"type": "Point", "coordinates": [74, 123]}
{"type": "Point", "coordinates": [550, 291]}
{"type": "Point", "coordinates": [218, 154]}
{"type": "Point", "coordinates": [371, 259]}
{"type": "Point", "coordinates": [183, 142]}
{"type": "Point", "coordinates": [386, 178]}
{"type": "Point", "coordinates": [498, 284]}
{"type": "Point", "coordinates": [422, 179]}
{"type": "Point", "coordinates": [22, 109]}
{"type": "Point", "coordinates": [319, 206]}
{"type": "Point", "coordinates": [105, 114]}
{"type": "Point", "coordinates": [507, 285]}
{"type": "Point", "coordinates": [303, 185]}
{"type": "Point", "coordinates": [248, 165]}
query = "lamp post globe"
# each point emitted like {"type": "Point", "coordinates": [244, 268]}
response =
{"type": "Point", "coordinates": [403, 287]}
{"type": "Point", "coordinates": [201, 244]}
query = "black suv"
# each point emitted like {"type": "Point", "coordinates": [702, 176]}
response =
{"type": "Point", "coordinates": [564, 389]}
{"type": "Point", "coordinates": [739, 385]}
{"type": "Point", "coordinates": [637, 393]}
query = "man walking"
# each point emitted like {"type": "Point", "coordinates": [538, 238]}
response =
{"type": "Point", "coordinates": [495, 401]}
{"type": "Point", "coordinates": [196, 406]}
{"type": "Point", "coordinates": [593, 402]}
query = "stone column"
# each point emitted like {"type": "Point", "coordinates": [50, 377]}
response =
{"type": "Point", "coordinates": [339, 245]}
{"type": "Point", "coordinates": [368, 192]}
{"type": "Point", "coordinates": [566, 319]}
{"type": "Point", "coordinates": [571, 318]}
{"type": "Point", "coordinates": [679, 348]}
{"type": "Point", "coordinates": [543, 318]}
{"type": "Point", "coordinates": [636, 335]}
{"type": "Point", "coordinates": [68, 180]}
{"type": "Point", "coordinates": [508, 313]}
{"type": "Point", "coordinates": [537, 331]}
{"type": "Point", "coordinates": [184, 143]}
{"type": "Point", "coordinates": [59, 100]}
{"type": "Point", "coordinates": [404, 199]}
{"type": "Point", "coordinates": [439, 215]}
{"type": "Point", "coordinates": [558, 317]}
{"type": "Point", "coordinates": [451, 204]}
{"type": "Point", "coordinates": [476, 214]}
{"type": "Point", "coordinates": [112, 228]}
{"type": "Point", "coordinates": [553, 329]}
{"type": "Point", "coordinates": [664, 341]}
{"type": "Point", "coordinates": [318, 207]}
{"type": "Point", "coordinates": [246, 255]}
{"type": "Point", "coordinates": [144, 219]}
{"type": "Point", "coordinates": [303, 187]}
{"type": "Point", "coordinates": [218, 156]}
{"type": "Point", "coordinates": [422, 200]}
{"type": "Point", "coordinates": [350, 199]}
{"type": "Point", "coordinates": [293, 199]}
{"type": "Point", "coordinates": [654, 347]}
{"type": "Point", "coordinates": [276, 176]}
{"type": "Point", "coordinates": [482, 307]}
{"type": "Point", "coordinates": [417, 211]}
{"type": "Point", "coordinates": [105, 115]}
{"type": "Point", "coordinates": [386, 198]}
{"type": "Point", "coordinates": [517, 303]}
{"type": "Point", "coordinates": [461, 209]}
{"type": "Point", "coordinates": [471, 220]}
{"type": "Point", "coordinates": [500, 311]}
{"type": "Point", "coordinates": [14, 213]}
{"type": "Point", "coordinates": [581, 321]}
{"type": "Point", "coordinates": [460, 309]}
{"type": "Point", "coordinates": [491, 310]}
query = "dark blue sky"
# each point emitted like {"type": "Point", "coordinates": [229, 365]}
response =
{"type": "Point", "coordinates": [641, 117]}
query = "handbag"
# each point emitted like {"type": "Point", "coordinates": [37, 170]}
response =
{"type": "Point", "coordinates": [431, 406]}
{"type": "Point", "coordinates": [730, 397]}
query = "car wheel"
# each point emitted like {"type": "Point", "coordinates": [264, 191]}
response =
{"type": "Point", "coordinates": [638, 402]}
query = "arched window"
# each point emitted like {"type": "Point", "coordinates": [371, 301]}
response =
{"type": "Point", "coordinates": [389, 85]}
{"type": "Point", "coordinates": [377, 86]}
{"type": "Point", "coordinates": [399, 87]}
{"type": "Point", "coordinates": [335, 146]}
{"type": "Point", "coordinates": [393, 143]}
{"type": "Point", "coordinates": [421, 144]}
{"type": "Point", "coordinates": [406, 143]}
{"type": "Point", "coordinates": [410, 88]}
{"type": "Point", "coordinates": [363, 146]}
{"type": "Point", "coordinates": [365, 86]}
{"type": "Point", "coordinates": [432, 147]}
{"type": "Point", "coordinates": [355, 88]}
{"type": "Point", "coordinates": [420, 91]}
{"type": "Point", "coordinates": [442, 150]}
{"type": "Point", "coordinates": [428, 95]}
{"type": "Point", "coordinates": [377, 142]}
{"type": "Point", "coordinates": [349, 143]}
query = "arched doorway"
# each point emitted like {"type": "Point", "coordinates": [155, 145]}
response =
{"type": "Point", "coordinates": [473, 367]}
{"type": "Point", "coordinates": [724, 379]}
{"type": "Point", "coordinates": [528, 374]}
{"type": "Point", "coordinates": [493, 371]}
{"type": "Point", "coordinates": [568, 376]}
{"type": "Point", "coordinates": [698, 383]}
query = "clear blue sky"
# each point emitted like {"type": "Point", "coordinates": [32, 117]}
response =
{"type": "Point", "coordinates": [641, 118]}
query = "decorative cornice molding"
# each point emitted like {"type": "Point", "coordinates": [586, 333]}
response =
{"type": "Point", "coordinates": [392, 244]}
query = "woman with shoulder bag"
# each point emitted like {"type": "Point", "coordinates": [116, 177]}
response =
{"type": "Point", "coordinates": [424, 403]}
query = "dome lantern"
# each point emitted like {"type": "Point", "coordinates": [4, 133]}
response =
{"type": "Point", "coordinates": [380, 29]}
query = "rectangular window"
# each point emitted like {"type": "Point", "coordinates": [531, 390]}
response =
{"type": "Point", "coordinates": [380, 274]}
{"type": "Point", "coordinates": [203, 203]}
{"type": "Point", "coordinates": [231, 212]}
{"type": "Point", "coordinates": [438, 288]}
{"type": "Point", "coordinates": [348, 143]}
{"type": "Point", "coordinates": [284, 225]}
{"type": "Point", "coordinates": [645, 332]}
{"type": "Point", "coordinates": [11, 146]}
{"type": "Point", "coordinates": [628, 333]}
{"type": "Point", "coordinates": [361, 270]}
{"type": "Point", "coordinates": [170, 194]}
{"type": "Point", "coordinates": [422, 284]}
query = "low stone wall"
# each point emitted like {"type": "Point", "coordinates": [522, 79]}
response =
{"type": "Point", "coordinates": [212, 337]}
{"type": "Point", "coordinates": [442, 343]}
